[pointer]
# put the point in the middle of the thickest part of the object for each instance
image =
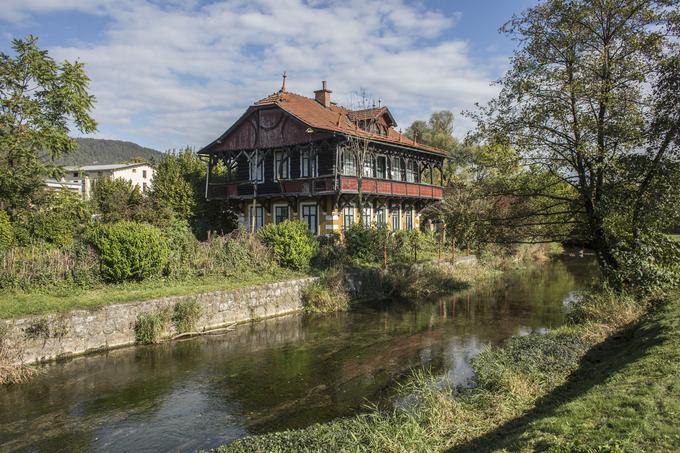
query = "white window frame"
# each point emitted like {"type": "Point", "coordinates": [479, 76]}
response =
{"type": "Point", "coordinates": [348, 211]}
{"type": "Point", "coordinates": [397, 210]}
{"type": "Point", "coordinates": [348, 157]}
{"type": "Point", "coordinates": [396, 176]}
{"type": "Point", "coordinates": [410, 170]}
{"type": "Point", "coordinates": [408, 218]}
{"type": "Point", "coordinates": [279, 205]}
{"type": "Point", "coordinates": [377, 158]}
{"type": "Point", "coordinates": [250, 217]}
{"type": "Point", "coordinates": [318, 216]}
{"type": "Point", "coordinates": [253, 169]}
{"type": "Point", "coordinates": [303, 168]}
{"type": "Point", "coordinates": [281, 155]}
{"type": "Point", "coordinates": [368, 215]}
{"type": "Point", "coordinates": [368, 160]}
{"type": "Point", "coordinates": [381, 216]}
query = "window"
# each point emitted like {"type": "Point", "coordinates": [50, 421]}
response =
{"type": "Point", "coordinates": [134, 170]}
{"type": "Point", "coordinates": [348, 217]}
{"type": "Point", "coordinates": [310, 216]}
{"type": "Point", "coordinates": [349, 163]}
{"type": "Point", "coordinates": [408, 217]}
{"type": "Point", "coordinates": [396, 169]}
{"type": "Point", "coordinates": [259, 217]}
{"type": "Point", "coordinates": [380, 167]}
{"type": "Point", "coordinates": [75, 174]}
{"type": "Point", "coordinates": [143, 173]}
{"type": "Point", "coordinates": [368, 166]}
{"type": "Point", "coordinates": [256, 174]}
{"type": "Point", "coordinates": [281, 165]}
{"type": "Point", "coordinates": [411, 165]}
{"type": "Point", "coordinates": [280, 214]}
{"type": "Point", "coordinates": [396, 218]}
{"type": "Point", "coordinates": [368, 216]}
{"type": "Point", "coordinates": [144, 187]}
{"type": "Point", "coordinates": [307, 164]}
{"type": "Point", "coordinates": [381, 216]}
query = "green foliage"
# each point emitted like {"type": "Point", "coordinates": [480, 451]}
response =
{"type": "Point", "coordinates": [129, 251]}
{"type": "Point", "coordinates": [39, 98]}
{"type": "Point", "coordinates": [328, 294]}
{"type": "Point", "coordinates": [291, 242]}
{"type": "Point", "coordinates": [182, 245]}
{"type": "Point", "coordinates": [116, 199]}
{"type": "Point", "coordinates": [6, 232]}
{"type": "Point", "coordinates": [437, 132]}
{"type": "Point", "coordinates": [150, 326]}
{"type": "Point", "coordinates": [186, 314]}
{"type": "Point", "coordinates": [57, 219]}
{"type": "Point", "coordinates": [366, 244]}
{"type": "Point", "coordinates": [38, 266]}
{"type": "Point", "coordinates": [179, 184]}
{"type": "Point", "coordinates": [330, 253]}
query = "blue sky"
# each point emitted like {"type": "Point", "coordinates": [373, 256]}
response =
{"type": "Point", "coordinates": [177, 73]}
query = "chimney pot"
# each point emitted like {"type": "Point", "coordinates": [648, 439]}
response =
{"type": "Point", "coordinates": [323, 96]}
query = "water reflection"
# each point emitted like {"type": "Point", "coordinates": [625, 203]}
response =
{"type": "Point", "coordinates": [280, 373]}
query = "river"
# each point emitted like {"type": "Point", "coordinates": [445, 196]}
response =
{"type": "Point", "coordinates": [275, 374]}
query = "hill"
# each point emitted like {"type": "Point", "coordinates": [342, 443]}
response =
{"type": "Point", "coordinates": [101, 151]}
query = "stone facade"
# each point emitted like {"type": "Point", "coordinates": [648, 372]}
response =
{"type": "Point", "coordinates": [61, 335]}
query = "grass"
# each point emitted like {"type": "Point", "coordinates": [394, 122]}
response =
{"type": "Point", "coordinates": [674, 237]}
{"type": "Point", "coordinates": [608, 381]}
{"type": "Point", "coordinates": [15, 304]}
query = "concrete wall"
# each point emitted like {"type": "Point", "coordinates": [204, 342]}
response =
{"type": "Point", "coordinates": [54, 336]}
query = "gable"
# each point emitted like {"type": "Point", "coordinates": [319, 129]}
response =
{"type": "Point", "coordinates": [264, 128]}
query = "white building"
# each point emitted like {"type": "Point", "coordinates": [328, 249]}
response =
{"type": "Point", "coordinates": [140, 175]}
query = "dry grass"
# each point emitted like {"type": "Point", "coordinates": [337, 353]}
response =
{"type": "Point", "coordinates": [10, 372]}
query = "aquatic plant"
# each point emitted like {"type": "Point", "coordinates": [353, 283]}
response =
{"type": "Point", "coordinates": [149, 326]}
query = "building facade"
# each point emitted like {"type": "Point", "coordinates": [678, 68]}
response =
{"type": "Point", "coordinates": [294, 157]}
{"type": "Point", "coordinates": [139, 174]}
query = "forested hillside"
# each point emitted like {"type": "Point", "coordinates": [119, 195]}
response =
{"type": "Point", "coordinates": [101, 151]}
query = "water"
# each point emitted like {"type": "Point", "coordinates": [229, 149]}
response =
{"type": "Point", "coordinates": [280, 373]}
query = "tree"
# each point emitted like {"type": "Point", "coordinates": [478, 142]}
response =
{"type": "Point", "coordinates": [39, 98]}
{"type": "Point", "coordinates": [116, 199]}
{"type": "Point", "coordinates": [575, 104]}
{"type": "Point", "coordinates": [179, 183]}
{"type": "Point", "coordinates": [437, 132]}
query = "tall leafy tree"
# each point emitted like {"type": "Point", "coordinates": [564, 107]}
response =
{"type": "Point", "coordinates": [40, 100]}
{"type": "Point", "coordinates": [576, 103]}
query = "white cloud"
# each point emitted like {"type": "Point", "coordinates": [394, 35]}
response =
{"type": "Point", "coordinates": [181, 73]}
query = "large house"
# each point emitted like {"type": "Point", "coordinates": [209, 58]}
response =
{"type": "Point", "coordinates": [139, 174]}
{"type": "Point", "coordinates": [294, 157]}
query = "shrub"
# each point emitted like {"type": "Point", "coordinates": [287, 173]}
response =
{"type": "Point", "coordinates": [6, 233]}
{"type": "Point", "coordinates": [186, 315]}
{"type": "Point", "coordinates": [149, 327]}
{"type": "Point", "coordinates": [181, 246]}
{"type": "Point", "coordinates": [327, 294]}
{"type": "Point", "coordinates": [42, 265]}
{"type": "Point", "coordinates": [330, 252]}
{"type": "Point", "coordinates": [366, 244]}
{"type": "Point", "coordinates": [129, 250]}
{"type": "Point", "coordinates": [291, 242]}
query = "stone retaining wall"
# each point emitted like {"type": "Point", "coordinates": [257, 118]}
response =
{"type": "Point", "coordinates": [61, 335]}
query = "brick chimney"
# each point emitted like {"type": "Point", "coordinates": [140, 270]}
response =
{"type": "Point", "coordinates": [323, 96]}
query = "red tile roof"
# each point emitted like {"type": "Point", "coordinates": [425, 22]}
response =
{"type": "Point", "coordinates": [338, 119]}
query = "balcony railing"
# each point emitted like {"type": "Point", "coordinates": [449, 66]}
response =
{"type": "Point", "coordinates": [324, 185]}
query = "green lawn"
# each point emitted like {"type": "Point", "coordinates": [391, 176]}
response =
{"type": "Point", "coordinates": [674, 237]}
{"type": "Point", "coordinates": [17, 304]}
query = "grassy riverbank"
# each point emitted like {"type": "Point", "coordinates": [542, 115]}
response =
{"type": "Point", "coordinates": [608, 380]}
{"type": "Point", "coordinates": [15, 304]}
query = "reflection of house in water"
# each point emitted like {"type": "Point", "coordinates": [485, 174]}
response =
{"type": "Point", "coordinates": [294, 157]}
{"type": "Point", "coordinates": [80, 178]}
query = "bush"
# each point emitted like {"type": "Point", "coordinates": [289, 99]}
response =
{"type": "Point", "coordinates": [129, 251]}
{"type": "Point", "coordinates": [291, 242]}
{"type": "Point", "coordinates": [330, 252]}
{"type": "Point", "coordinates": [327, 294]}
{"type": "Point", "coordinates": [366, 244]}
{"type": "Point", "coordinates": [41, 265]}
{"type": "Point", "coordinates": [181, 246]}
{"type": "Point", "coordinates": [6, 233]}
{"type": "Point", "coordinates": [149, 327]}
{"type": "Point", "coordinates": [186, 315]}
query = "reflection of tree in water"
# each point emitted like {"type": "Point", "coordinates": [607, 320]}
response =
{"type": "Point", "coordinates": [278, 373]}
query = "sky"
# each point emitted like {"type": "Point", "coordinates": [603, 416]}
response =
{"type": "Point", "coordinates": [169, 74]}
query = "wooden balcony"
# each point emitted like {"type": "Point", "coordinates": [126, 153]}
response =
{"type": "Point", "coordinates": [323, 185]}
{"type": "Point", "coordinates": [350, 184]}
